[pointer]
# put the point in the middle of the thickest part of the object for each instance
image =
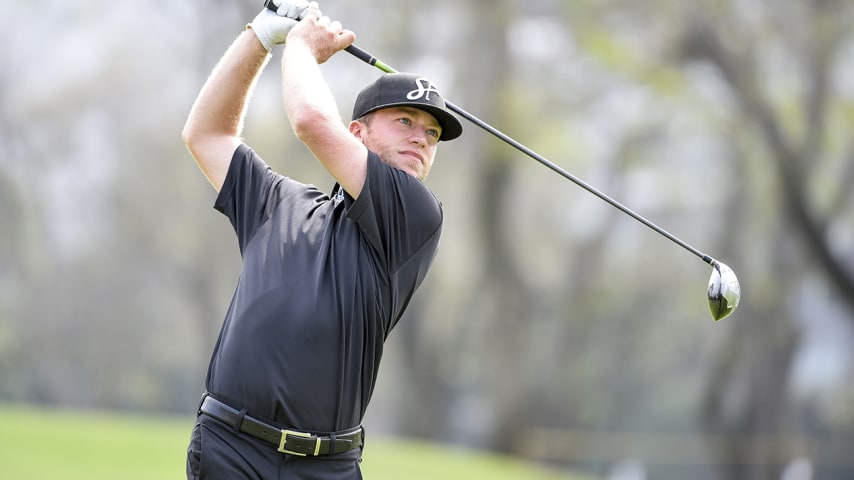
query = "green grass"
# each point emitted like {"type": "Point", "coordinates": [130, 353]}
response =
{"type": "Point", "coordinates": [387, 460]}
{"type": "Point", "coordinates": [49, 444]}
{"type": "Point", "coordinates": [44, 444]}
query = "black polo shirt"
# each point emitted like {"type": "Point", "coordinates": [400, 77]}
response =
{"type": "Point", "coordinates": [324, 280]}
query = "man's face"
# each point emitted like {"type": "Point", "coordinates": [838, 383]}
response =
{"type": "Point", "coordinates": [403, 137]}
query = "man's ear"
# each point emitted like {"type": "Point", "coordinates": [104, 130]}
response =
{"type": "Point", "coordinates": [357, 128]}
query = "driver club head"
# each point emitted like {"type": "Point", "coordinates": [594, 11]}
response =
{"type": "Point", "coordinates": [724, 291]}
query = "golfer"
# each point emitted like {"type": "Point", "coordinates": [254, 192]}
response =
{"type": "Point", "coordinates": [325, 277]}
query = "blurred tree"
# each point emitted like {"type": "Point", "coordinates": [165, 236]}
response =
{"type": "Point", "coordinates": [521, 321]}
{"type": "Point", "coordinates": [783, 83]}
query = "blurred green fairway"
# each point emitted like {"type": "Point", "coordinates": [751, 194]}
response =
{"type": "Point", "coordinates": [49, 444]}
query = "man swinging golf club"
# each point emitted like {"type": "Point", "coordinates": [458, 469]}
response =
{"type": "Point", "coordinates": [325, 277]}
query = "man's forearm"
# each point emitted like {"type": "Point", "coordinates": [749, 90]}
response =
{"type": "Point", "coordinates": [316, 120]}
{"type": "Point", "coordinates": [221, 104]}
{"type": "Point", "coordinates": [307, 96]}
{"type": "Point", "coordinates": [215, 123]}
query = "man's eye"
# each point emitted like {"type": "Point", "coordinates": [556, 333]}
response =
{"type": "Point", "coordinates": [433, 132]}
{"type": "Point", "coordinates": [405, 121]}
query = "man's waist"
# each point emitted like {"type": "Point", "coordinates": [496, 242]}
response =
{"type": "Point", "coordinates": [287, 440]}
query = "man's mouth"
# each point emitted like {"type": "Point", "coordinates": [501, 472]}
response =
{"type": "Point", "coordinates": [410, 153]}
{"type": "Point", "coordinates": [415, 155]}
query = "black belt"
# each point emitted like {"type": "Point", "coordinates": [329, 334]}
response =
{"type": "Point", "coordinates": [287, 441]}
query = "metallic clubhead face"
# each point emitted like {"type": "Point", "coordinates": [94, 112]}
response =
{"type": "Point", "coordinates": [724, 291]}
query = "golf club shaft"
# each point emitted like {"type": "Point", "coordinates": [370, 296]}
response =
{"type": "Point", "coordinates": [371, 60]}
{"type": "Point", "coordinates": [375, 62]}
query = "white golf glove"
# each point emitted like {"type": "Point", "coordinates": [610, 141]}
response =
{"type": "Point", "coordinates": [272, 28]}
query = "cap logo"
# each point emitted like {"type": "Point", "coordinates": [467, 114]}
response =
{"type": "Point", "coordinates": [424, 89]}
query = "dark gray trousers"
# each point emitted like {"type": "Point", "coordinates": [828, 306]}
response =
{"type": "Point", "coordinates": [217, 452]}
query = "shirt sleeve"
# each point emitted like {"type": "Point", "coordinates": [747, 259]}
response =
{"type": "Point", "coordinates": [246, 197]}
{"type": "Point", "coordinates": [398, 214]}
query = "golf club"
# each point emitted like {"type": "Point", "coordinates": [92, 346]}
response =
{"type": "Point", "coordinates": [724, 290]}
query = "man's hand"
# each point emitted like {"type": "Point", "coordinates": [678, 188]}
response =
{"type": "Point", "coordinates": [272, 28]}
{"type": "Point", "coordinates": [322, 36]}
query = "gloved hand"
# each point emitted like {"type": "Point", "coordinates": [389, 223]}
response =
{"type": "Point", "coordinates": [271, 27]}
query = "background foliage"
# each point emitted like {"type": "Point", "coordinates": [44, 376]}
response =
{"type": "Point", "coordinates": [551, 327]}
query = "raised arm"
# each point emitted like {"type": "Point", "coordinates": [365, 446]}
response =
{"type": "Point", "coordinates": [213, 128]}
{"type": "Point", "coordinates": [310, 105]}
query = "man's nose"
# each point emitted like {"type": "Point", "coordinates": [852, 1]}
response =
{"type": "Point", "coordinates": [419, 138]}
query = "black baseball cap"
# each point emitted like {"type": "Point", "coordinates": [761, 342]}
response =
{"type": "Point", "coordinates": [407, 90]}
